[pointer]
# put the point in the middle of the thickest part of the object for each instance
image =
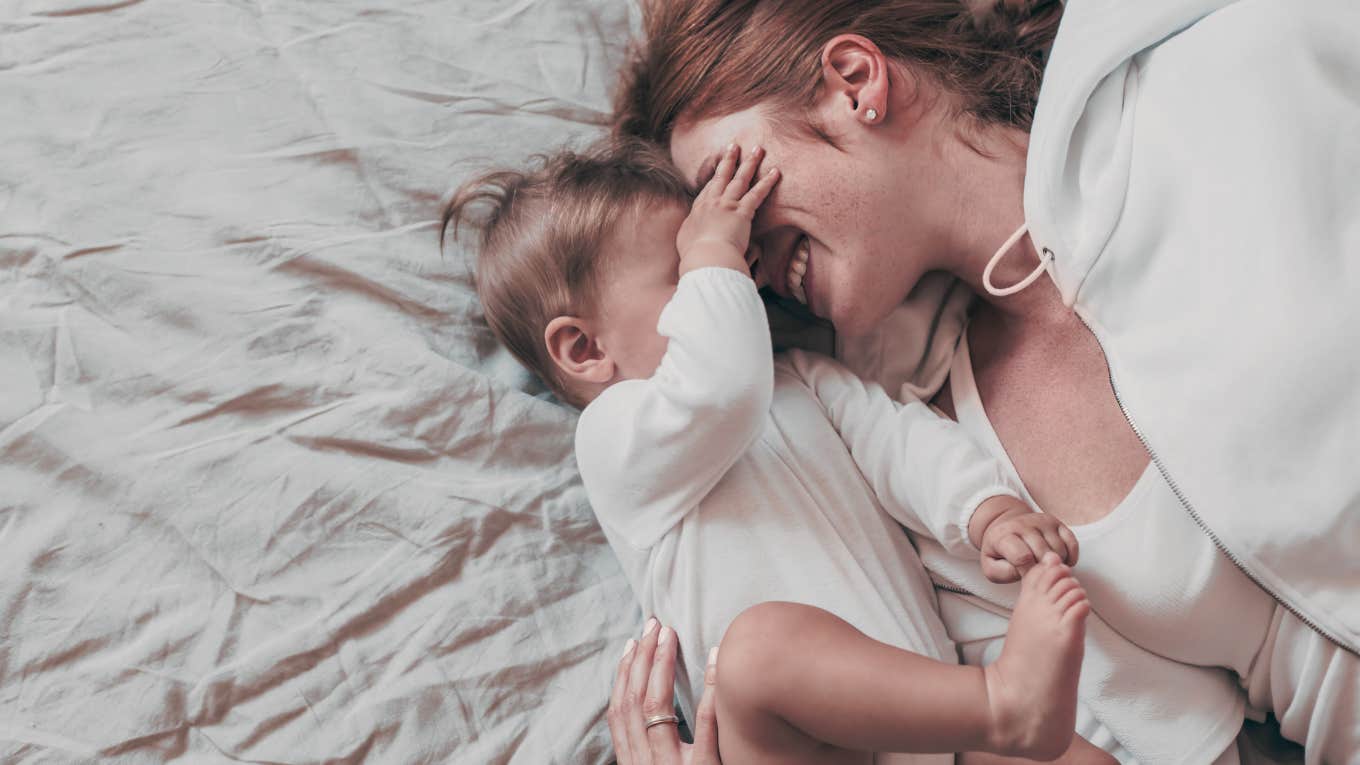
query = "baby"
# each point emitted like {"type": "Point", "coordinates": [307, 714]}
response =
{"type": "Point", "coordinates": [704, 454]}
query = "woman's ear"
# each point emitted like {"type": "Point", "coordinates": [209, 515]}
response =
{"type": "Point", "coordinates": [575, 351]}
{"type": "Point", "coordinates": [855, 79]}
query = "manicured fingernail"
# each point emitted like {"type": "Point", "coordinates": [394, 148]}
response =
{"type": "Point", "coordinates": [772, 171]}
{"type": "Point", "coordinates": [666, 633]}
{"type": "Point", "coordinates": [628, 647]}
{"type": "Point", "coordinates": [651, 626]}
{"type": "Point", "coordinates": [713, 656]}
{"type": "Point", "coordinates": [711, 671]}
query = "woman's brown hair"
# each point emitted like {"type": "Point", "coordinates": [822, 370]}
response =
{"type": "Point", "coordinates": [706, 58]}
{"type": "Point", "coordinates": [542, 232]}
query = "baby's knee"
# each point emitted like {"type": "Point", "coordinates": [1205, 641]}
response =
{"type": "Point", "coordinates": [758, 658]}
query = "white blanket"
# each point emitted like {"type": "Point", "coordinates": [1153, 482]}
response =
{"type": "Point", "coordinates": [268, 491]}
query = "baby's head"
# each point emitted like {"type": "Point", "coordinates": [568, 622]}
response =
{"type": "Point", "coordinates": [576, 260]}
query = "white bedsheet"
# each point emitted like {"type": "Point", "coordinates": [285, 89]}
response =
{"type": "Point", "coordinates": [268, 490]}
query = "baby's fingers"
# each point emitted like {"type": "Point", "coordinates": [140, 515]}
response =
{"type": "Point", "coordinates": [741, 179]}
{"type": "Point", "coordinates": [999, 570]}
{"type": "Point", "coordinates": [1034, 538]}
{"type": "Point", "coordinates": [1014, 550]}
{"type": "Point", "coordinates": [756, 196]}
{"type": "Point", "coordinates": [1056, 543]}
{"type": "Point", "coordinates": [722, 174]}
{"type": "Point", "coordinates": [1071, 540]}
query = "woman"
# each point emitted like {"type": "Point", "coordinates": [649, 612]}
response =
{"type": "Point", "coordinates": [1180, 389]}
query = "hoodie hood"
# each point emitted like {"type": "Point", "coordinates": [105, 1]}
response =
{"type": "Point", "coordinates": [1194, 171]}
{"type": "Point", "coordinates": [1079, 143]}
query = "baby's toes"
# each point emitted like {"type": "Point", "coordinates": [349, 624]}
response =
{"type": "Point", "coordinates": [1074, 605]}
{"type": "Point", "coordinates": [1050, 572]}
{"type": "Point", "coordinates": [1064, 584]}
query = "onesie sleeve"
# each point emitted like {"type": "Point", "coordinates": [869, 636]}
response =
{"type": "Point", "coordinates": [650, 450]}
{"type": "Point", "coordinates": [927, 472]}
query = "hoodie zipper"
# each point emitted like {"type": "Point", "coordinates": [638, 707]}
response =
{"type": "Point", "coordinates": [1185, 502]}
{"type": "Point", "coordinates": [940, 583]}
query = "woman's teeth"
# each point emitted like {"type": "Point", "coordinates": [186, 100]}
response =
{"type": "Point", "coordinates": [797, 269]}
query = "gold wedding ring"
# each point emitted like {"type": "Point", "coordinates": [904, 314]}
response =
{"type": "Point", "coordinates": [662, 720]}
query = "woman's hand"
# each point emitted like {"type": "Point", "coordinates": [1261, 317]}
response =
{"type": "Point", "coordinates": [643, 689]}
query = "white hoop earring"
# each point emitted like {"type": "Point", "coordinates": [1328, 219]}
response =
{"type": "Point", "coordinates": [1044, 260]}
{"type": "Point", "coordinates": [871, 115]}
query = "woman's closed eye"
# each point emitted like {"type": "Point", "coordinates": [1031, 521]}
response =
{"type": "Point", "coordinates": [706, 170]}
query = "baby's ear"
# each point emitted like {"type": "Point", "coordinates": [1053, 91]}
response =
{"type": "Point", "coordinates": [573, 348]}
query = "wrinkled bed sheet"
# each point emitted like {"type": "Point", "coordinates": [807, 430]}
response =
{"type": "Point", "coordinates": [268, 490]}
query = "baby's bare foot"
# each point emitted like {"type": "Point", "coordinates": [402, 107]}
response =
{"type": "Point", "coordinates": [1032, 688]}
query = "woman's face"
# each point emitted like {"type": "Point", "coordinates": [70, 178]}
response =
{"type": "Point", "coordinates": [847, 204]}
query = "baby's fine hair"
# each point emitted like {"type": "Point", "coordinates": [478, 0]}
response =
{"type": "Point", "coordinates": [542, 233]}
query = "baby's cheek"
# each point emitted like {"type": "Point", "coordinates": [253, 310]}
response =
{"type": "Point", "coordinates": [656, 352]}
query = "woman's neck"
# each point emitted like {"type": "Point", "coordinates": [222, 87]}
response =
{"type": "Point", "coordinates": [984, 193]}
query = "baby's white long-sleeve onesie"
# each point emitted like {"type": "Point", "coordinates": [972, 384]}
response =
{"type": "Point", "coordinates": [722, 482]}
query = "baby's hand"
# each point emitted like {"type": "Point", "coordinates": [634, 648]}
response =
{"type": "Point", "coordinates": [718, 229]}
{"type": "Point", "coordinates": [1016, 538]}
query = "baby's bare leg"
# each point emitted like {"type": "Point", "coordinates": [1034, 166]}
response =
{"type": "Point", "coordinates": [798, 684]}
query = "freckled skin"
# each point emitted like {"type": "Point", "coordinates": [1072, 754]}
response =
{"type": "Point", "coordinates": [905, 196]}
{"type": "Point", "coordinates": [868, 247]}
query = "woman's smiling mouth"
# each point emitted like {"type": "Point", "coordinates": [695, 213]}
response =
{"type": "Point", "coordinates": [798, 267]}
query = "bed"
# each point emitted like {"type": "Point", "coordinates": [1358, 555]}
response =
{"type": "Point", "coordinates": [269, 492]}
